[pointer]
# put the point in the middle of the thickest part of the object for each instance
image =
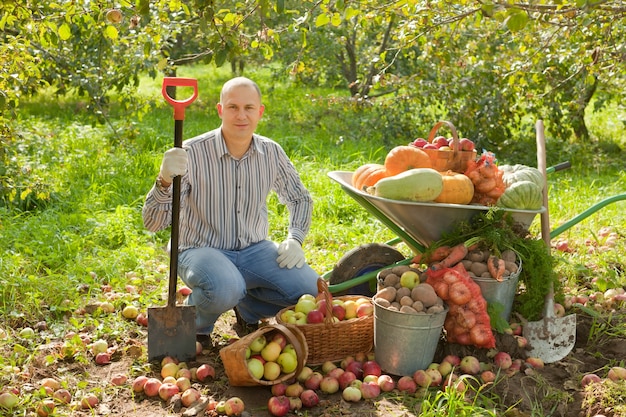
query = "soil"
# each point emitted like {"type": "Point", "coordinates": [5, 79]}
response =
{"type": "Point", "coordinates": [556, 388]}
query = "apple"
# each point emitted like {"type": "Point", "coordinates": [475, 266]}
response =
{"type": "Point", "coordinates": [27, 333]}
{"type": "Point", "coordinates": [169, 369]}
{"type": "Point", "coordinates": [466, 144]}
{"type": "Point", "coordinates": [167, 390]}
{"type": "Point", "coordinates": [50, 383]}
{"type": "Point", "coordinates": [184, 291]}
{"type": "Point", "coordinates": [204, 372]}
{"type": "Point", "coordinates": [329, 385]}
{"type": "Point", "coordinates": [589, 379]}
{"type": "Point", "coordinates": [287, 362]}
{"type": "Point", "coordinates": [429, 146]}
{"type": "Point", "coordinates": [356, 383]}
{"type": "Point", "coordinates": [183, 383]}
{"type": "Point", "coordinates": [234, 406]}
{"type": "Point", "coordinates": [259, 357]}
{"type": "Point", "coordinates": [445, 368]}
{"type": "Point", "coordinates": [435, 375]}
{"type": "Point", "coordinates": [114, 16]}
{"type": "Point", "coordinates": [151, 387]}
{"type": "Point", "coordinates": [350, 307]}
{"type": "Point", "coordinates": [422, 378]}
{"type": "Point", "coordinates": [281, 339]}
{"type": "Point", "coordinates": [278, 405]}
{"type": "Point", "coordinates": [470, 365]}
{"type": "Point", "coordinates": [103, 358]}
{"type": "Point", "coordinates": [440, 141]}
{"type": "Point", "coordinates": [119, 379]}
{"type": "Point", "coordinates": [314, 317]}
{"type": "Point", "coordinates": [313, 381]}
{"type": "Point", "coordinates": [271, 371]}
{"type": "Point", "coordinates": [419, 142]}
{"type": "Point", "coordinates": [559, 310]}
{"type": "Point", "coordinates": [452, 359]}
{"type": "Point", "coordinates": [406, 384]}
{"type": "Point", "coordinates": [190, 396]}
{"type": "Point", "coordinates": [130, 312]}
{"type": "Point", "coordinates": [89, 401]}
{"type": "Point", "coordinates": [62, 395]}
{"type": "Point", "coordinates": [336, 373]}
{"type": "Point", "coordinates": [294, 390]}
{"type": "Point", "coordinates": [339, 312]}
{"type": "Point", "coordinates": [345, 361]}
{"type": "Point", "coordinates": [346, 379]}
{"type": "Point", "coordinates": [409, 279]}
{"type": "Point", "coordinates": [183, 373]}
{"type": "Point", "coordinates": [304, 373]}
{"type": "Point", "coordinates": [258, 344]}
{"type": "Point", "coordinates": [309, 398]}
{"type": "Point", "coordinates": [107, 307]}
{"type": "Point", "coordinates": [138, 383]}
{"type": "Point", "coordinates": [365, 310]}
{"type": "Point", "coordinates": [255, 367]}
{"type": "Point", "coordinates": [271, 352]}
{"type": "Point", "coordinates": [617, 373]}
{"type": "Point", "coordinates": [286, 315]}
{"type": "Point", "coordinates": [8, 400]}
{"type": "Point", "coordinates": [351, 394]}
{"type": "Point", "coordinates": [278, 389]}
{"type": "Point", "coordinates": [356, 367]}
{"type": "Point", "coordinates": [487, 376]}
{"type": "Point", "coordinates": [502, 360]}
{"type": "Point", "coordinates": [169, 379]}
{"type": "Point", "coordinates": [99, 346]}
{"type": "Point", "coordinates": [371, 368]}
{"type": "Point", "coordinates": [445, 148]}
{"type": "Point", "coordinates": [45, 407]}
{"type": "Point", "coordinates": [305, 305]}
{"type": "Point", "coordinates": [328, 366]}
{"type": "Point", "coordinates": [370, 390]}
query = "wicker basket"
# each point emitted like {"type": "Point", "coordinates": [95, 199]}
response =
{"type": "Point", "coordinates": [454, 160]}
{"type": "Point", "coordinates": [234, 356]}
{"type": "Point", "coordinates": [333, 341]}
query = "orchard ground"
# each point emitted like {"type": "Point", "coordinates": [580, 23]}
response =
{"type": "Point", "coordinates": [556, 388]}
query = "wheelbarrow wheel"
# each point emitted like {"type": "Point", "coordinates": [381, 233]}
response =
{"type": "Point", "coordinates": [361, 260]}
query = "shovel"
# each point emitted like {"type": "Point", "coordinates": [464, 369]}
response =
{"type": "Point", "coordinates": [172, 329]}
{"type": "Point", "coordinates": [552, 338]}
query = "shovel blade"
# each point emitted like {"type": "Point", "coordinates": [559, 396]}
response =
{"type": "Point", "coordinates": [552, 338]}
{"type": "Point", "coordinates": [172, 332]}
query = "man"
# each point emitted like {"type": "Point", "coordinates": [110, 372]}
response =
{"type": "Point", "coordinates": [225, 256]}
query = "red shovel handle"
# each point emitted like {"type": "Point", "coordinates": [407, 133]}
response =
{"type": "Point", "coordinates": [179, 105]}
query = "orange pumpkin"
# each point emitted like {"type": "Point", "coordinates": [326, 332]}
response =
{"type": "Point", "coordinates": [402, 158]}
{"type": "Point", "coordinates": [457, 189]}
{"type": "Point", "coordinates": [368, 175]}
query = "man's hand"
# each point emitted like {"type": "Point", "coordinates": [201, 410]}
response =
{"type": "Point", "coordinates": [174, 164]}
{"type": "Point", "coordinates": [290, 254]}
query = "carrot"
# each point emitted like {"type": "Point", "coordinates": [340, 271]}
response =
{"type": "Point", "coordinates": [429, 256]}
{"type": "Point", "coordinates": [456, 255]}
{"type": "Point", "coordinates": [496, 267]}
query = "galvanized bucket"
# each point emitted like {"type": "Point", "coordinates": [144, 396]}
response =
{"type": "Point", "coordinates": [405, 343]}
{"type": "Point", "coordinates": [502, 292]}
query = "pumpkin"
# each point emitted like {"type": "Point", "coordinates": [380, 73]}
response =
{"type": "Point", "coordinates": [522, 195]}
{"type": "Point", "coordinates": [403, 158]}
{"type": "Point", "coordinates": [418, 184]}
{"type": "Point", "coordinates": [368, 175]}
{"type": "Point", "coordinates": [457, 189]}
{"type": "Point", "coordinates": [519, 172]}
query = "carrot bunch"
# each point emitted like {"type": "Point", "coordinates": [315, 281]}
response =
{"type": "Point", "coordinates": [467, 321]}
{"type": "Point", "coordinates": [487, 179]}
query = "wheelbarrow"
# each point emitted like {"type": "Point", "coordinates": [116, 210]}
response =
{"type": "Point", "coordinates": [417, 225]}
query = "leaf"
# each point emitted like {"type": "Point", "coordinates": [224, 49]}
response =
{"type": "Point", "coordinates": [65, 32]}
{"type": "Point", "coordinates": [516, 21]}
{"type": "Point", "coordinates": [280, 6]}
{"type": "Point", "coordinates": [336, 19]}
{"type": "Point", "coordinates": [111, 32]}
{"type": "Point", "coordinates": [322, 20]}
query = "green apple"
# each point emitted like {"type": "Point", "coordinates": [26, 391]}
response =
{"type": "Point", "coordinates": [258, 344]}
{"type": "Point", "coordinates": [350, 307]}
{"type": "Point", "coordinates": [305, 305]}
{"type": "Point", "coordinates": [309, 297]}
{"type": "Point", "coordinates": [288, 362]}
{"type": "Point", "coordinates": [300, 318]}
{"type": "Point", "coordinates": [271, 351]}
{"type": "Point", "coordinates": [256, 368]}
{"type": "Point", "coordinates": [409, 279]}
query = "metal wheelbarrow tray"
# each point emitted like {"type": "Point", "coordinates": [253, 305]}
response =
{"type": "Point", "coordinates": [420, 224]}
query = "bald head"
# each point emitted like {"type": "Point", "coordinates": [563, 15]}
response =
{"type": "Point", "coordinates": [238, 82]}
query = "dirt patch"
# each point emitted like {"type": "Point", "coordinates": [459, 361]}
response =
{"type": "Point", "coordinates": [556, 388]}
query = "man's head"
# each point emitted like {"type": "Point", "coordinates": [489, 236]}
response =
{"type": "Point", "coordinates": [240, 108]}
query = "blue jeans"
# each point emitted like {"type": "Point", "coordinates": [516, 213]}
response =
{"type": "Point", "coordinates": [249, 279]}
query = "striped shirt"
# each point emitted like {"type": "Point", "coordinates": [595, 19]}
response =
{"type": "Point", "coordinates": [224, 200]}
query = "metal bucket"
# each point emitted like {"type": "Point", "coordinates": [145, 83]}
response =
{"type": "Point", "coordinates": [405, 343]}
{"type": "Point", "coordinates": [502, 292]}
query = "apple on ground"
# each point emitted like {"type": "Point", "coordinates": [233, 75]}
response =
{"type": "Point", "coordinates": [487, 376]}
{"type": "Point", "coordinates": [422, 378]}
{"type": "Point", "coordinates": [8, 400]}
{"type": "Point", "coordinates": [204, 372]}
{"type": "Point", "coordinates": [370, 390]}
{"type": "Point", "coordinates": [119, 379]}
{"type": "Point", "coordinates": [536, 363]}
{"type": "Point", "coordinates": [436, 377]}
{"type": "Point", "coordinates": [356, 367]}
{"type": "Point", "coordinates": [138, 383]}
{"type": "Point", "coordinates": [45, 407]}
{"type": "Point", "coordinates": [304, 373]}
{"type": "Point", "coordinates": [328, 366]}
{"type": "Point", "coordinates": [617, 373]}
{"type": "Point", "coordinates": [351, 394]}
{"type": "Point", "coordinates": [278, 405]}
{"type": "Point", "coordinates": [313, 381]}
{"type": "Point", "coordinates": [309, 398]}
{"type": "Point", "coordinates": [294, 390]}
{"type": "Point", "coordinates": [62, 396]}
{"type": "Point", "coordinates": [190, 396]}
{"type": "Point", "coordinates": [89, 401]}
{"type": "Point", "coordinates": [371, 368]}
{"type": "Point", "coordinates": [590, 378]}
{"type": "Point", "coordinates": [295, 403]}
{"type": "Point", "coordinates": [167, 390]}
{"type": "Point", "coordinates": [346, 379]}
{"type": "Point", "coordinates": [336, 373]}
{"type": "Point", "coordinates": [329, 385]}
{"type": "Point", "coordinates": [234, 406]}
{"type": "Point", "coordinates": [386, 383]}
{"type": "Point", "coordinates": [502, 360]}
{"type": "Point", "coordinates": [406, 384]}
{"type": "Point", "coordinates": [470, 365]}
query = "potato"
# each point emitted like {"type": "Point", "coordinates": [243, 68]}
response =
{"type": "Point", "coordinates": [391, 280]}
{"type": "Point", "coordinates": [388, 294]}
{"type": "Point", "coordinates": [408, 310]}
{"type": "Point", "coordinates": [395, 305]}
{"type": "Point", "coordinates": [467, 264]}
{"type": "Point", "coordinates": [434, 309]}
{"type": "Point", "coordinates": [400, 269]}
{"type": "Point", "coordinates": [406, 301]}
{"type": "Point", "coordinates": [402, 292]}
{"type": "Point", "coordinates": [382, 274]}
{"type": "Point", "coordinates": [383, 303]}
{"type": "Point", "coordinates": [509, 256]}
{"type": "Point", "coordinates": [486, 275]}
{"type": "Point", "coordinates": [476, 256]}
{"type": "Point", "coordinates": [424, 293]}
{"type": "Point", "coordinates": [479, 268]}
{"type": "Point", "coordinates": [510, 266]}
{"type": "Point", "coordinates": [418, 306]}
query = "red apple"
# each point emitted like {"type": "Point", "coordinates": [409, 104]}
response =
{"type": "Point", "coordinates": [313, 381]}
{"type": "Point", "coordinates": [470, 365]}
{"type": "Point", "coordinates": [371, 368]}
{"type": "Point", "coordinates": [89, 401]}
{"type": "Point", "coordinates": [346, 379]}
{"type": "Point", "coordinates": [281, 339]}
{"type": "Point", "coordinates": [119, 379]}
{"type": "Point", "coordinates": [430, 146]}
{"type": "Point", "coordinates": [466, 144]}
{"type": "Point", "coordinates": [315, 316]}
{"type": "Point", "coordinates": [103, 358]}
{"type": "Point", "coordinates": [190, 396]}
{"type": "Point", "coordinates": [386, 383]}
{"type": "Point", "coordinates": [419, 142]}
{"type": "Point", "coordinates": [487, 376]}
{"type": "Point", "coordinates": [167, 390]}
{"type": "Point", "coordinates": [62, 395]}
{"type": "Point", "coordinates": [278, 405]}
{"type": "Point", "coordinates": [589, 379]}
{"type": "Point", "coordinates": [204, 372]}
{"type": "Point", "coordinates": [234, 406]}
{"type": "Point", "coordinates": [329, 385]}
{"type": "Point", "coordinates": [502, 360]}
{"type": "Point", "coordinates": [452, 359]}
{"type": "Point", "coordinates": [422, 378]}
{"type": "Point", "coordinates": [406, 384]}
{"type": "Point", "coordinates": [440, 141]}
{"type": "Point", "coordinates": [278, 389]}
{"type": "Point", "coordinates": [365, 310]}
{"type": "Point", "coordinates": [336, 373]}
{"type": "Point", "coordinates": [356, 367]}
{"type": "Point", "coordinates": [370, 390]}
{"type": "Point", "coordinates": [151, 387]}
{"type": "Point", "coordinates": [309, 398]}
{"type": "Point", "coordinates": [45, 407]}
{"type": "Point", "coordinates": [435, 376]}
{"type": "Point", "coordinates": [138, 383]}
{"type": "Point", "coordinates": [339, 312]}
{"type": "Point", "coordinates": [142, 319]}
{"type": "Point", "coordinates": [617, 373]}
{"type": "Point", "coordinates": [184, 291]}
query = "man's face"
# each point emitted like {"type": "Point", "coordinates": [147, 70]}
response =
{"type": "Point", "coordinates": [240, 111]}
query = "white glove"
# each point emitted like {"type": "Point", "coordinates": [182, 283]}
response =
{"type": "Point", "coordinates": [174, 164]}
{"type": "Point", "coordinates": [290, 254]}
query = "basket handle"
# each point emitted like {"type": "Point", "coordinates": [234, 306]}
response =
{"type": "Point", "coordinates": [455, 135]}
{"type": "Point", "coordinates": [324, 292]}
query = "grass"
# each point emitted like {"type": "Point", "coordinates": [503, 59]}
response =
{"type": "Point", "coordinates": [83, 186]}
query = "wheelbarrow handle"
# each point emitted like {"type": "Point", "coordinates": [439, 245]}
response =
{"type": "Point", "coordinates": [179, 105]}
{"type": "Point", "coordinates": [559, 167]}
